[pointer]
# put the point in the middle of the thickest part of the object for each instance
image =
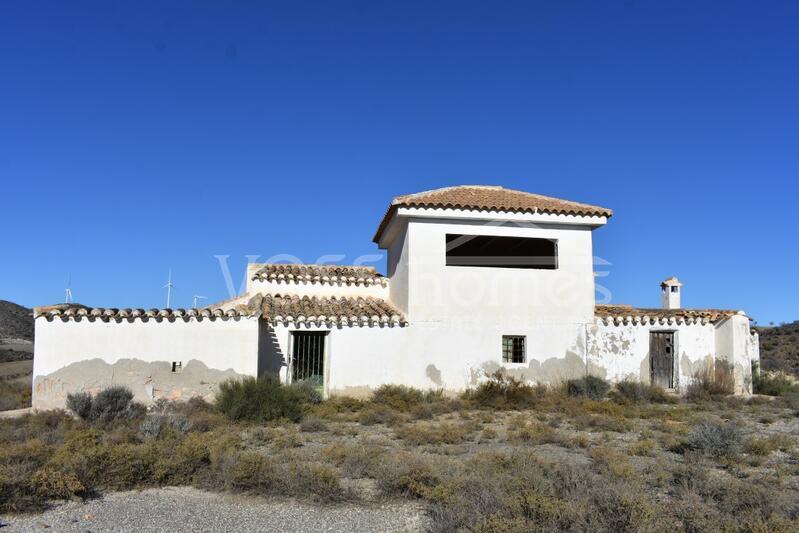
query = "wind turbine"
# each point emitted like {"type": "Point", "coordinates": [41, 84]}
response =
{"type": "Point", "coordinates": [68, 291]}
{"type": "Point", "coordinates": [198, 297]}
{"type": "Point", "coordinates": [169, 288]}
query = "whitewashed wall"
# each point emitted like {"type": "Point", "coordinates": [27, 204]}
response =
{"type": "Point", "coordinates": [617, 352]}
{"type": "Point", "coordinates": [73, 355]}
{"type": "Point", "coordinates": [432, 356]}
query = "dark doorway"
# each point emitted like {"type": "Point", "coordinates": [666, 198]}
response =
{"type": "Point", "coordinates": [308, 358]}
{"type": "Point", "coordinates": [661, 359]}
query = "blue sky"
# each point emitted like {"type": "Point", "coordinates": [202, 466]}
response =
{"type": "Point", "coordinates": [136, 137]}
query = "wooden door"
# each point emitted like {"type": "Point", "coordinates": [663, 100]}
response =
{"type": "Point", "coordinates": [661, 359]}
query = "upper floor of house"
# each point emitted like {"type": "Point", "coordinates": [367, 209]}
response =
{"type": "Point", "coordinates": [482, 252]}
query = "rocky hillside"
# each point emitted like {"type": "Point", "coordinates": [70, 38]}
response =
{"type": "Point", "coordinates": [16, 322]}
{"type": "Point", "coordinates": [16, 332]}
{"type": "Point", "coordinates": [779, 347]}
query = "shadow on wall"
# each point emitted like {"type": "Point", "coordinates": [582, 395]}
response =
{"type": "Point", "coordinates": [552, 370]}
{"type": "Point", "coordinates": [270, 358]}
{"type": "Point", "coordinates": [147, 381]}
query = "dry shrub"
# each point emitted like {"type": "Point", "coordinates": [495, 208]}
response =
{"type": "Point", "coordinates": [354, 460]}
{"type": "Point", "coordinates": [715, 439]}
{"type": "Point", "coordinates": [313, 425]}
{"type": "Point", "coordinates": [533, 432]}
{"type": "Point", "coordinates": [766, 445]}
{"type": "Point", "coordinates": [380, 414]}
{"type": "Point", "coordinates": [602, 423]}
{"type": "Point", "coordinates": [624, 507]}
{"type": "Point", "coordinates": [405, 474]}
{"type": "Point", "coordinates": [339, 408]}
{"type": "Point", "coordinates": [400, 397]}
{"type": "Point", "coordinates": [609, 461]}
{"type": "Point", "coordinates": [14, 395]}
{"type": "Point", "coordinates": [434, 433]}
{"type": "Point", "coordinates": [589, 386]}
{"type": "Point", "coordinates": [629, 391]}
{"type": "Point", "coordinates": [110, 405]}
{"type": "Point", "coordinates": [775, 384]}
{"type": "Point", "coordinates": [644, 448]}
{"type": "Point", "coordinates": [711, 381]}
{"type": "Point", "coordinates": [503, 391]}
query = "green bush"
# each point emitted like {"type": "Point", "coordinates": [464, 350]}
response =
{"type": "Point", "coordinates": [111, 404]}
{"type": "Point", "coordinates": [636, 392]}
{"type": "Point", "coordinates": [260, 400]}
{"type": "Point", "coordinates": [589, 386]}
{"type": "Point", "coordinates": [80, 403]}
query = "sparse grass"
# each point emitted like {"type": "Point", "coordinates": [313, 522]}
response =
{"type": "Point", "coordinates": [764, 446]}
{"type": "Point", "coordinates": [568, 464]}
{"type": "Point", "coordinates": [434, 433]}
{"type": "Point", "coordinates": [14, 395]}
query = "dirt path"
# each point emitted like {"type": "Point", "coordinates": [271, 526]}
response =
{"type": "Point", "coordinates": [188, 509]}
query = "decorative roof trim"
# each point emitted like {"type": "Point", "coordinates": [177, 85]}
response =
{"type": "Point", "coordinates": [321, 274]}
{"type": "Point", "coordinates": [626, 314]}
{"type": "Point", "coordinates": [78, 311]}
{"type": "Point", "coordinates": [322, 310]}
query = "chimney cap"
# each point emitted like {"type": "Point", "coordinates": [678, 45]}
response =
{"type": "Point", "coordinates": [671, 282]}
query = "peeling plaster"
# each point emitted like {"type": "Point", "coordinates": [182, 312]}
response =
{"type": "Point", "coordinates": [147, 381]}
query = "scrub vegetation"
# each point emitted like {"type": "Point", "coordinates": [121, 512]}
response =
{"type": "Point", "coordinates": [504, 456]}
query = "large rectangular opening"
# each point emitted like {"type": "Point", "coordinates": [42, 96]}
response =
{"type": "Point", "coordinates": [501, 252]}
{"type": "Point", "coordinates": [308, 358]}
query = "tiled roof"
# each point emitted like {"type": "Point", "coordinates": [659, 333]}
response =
{"type": "Point", "coordinates": [332, 274]}
{"type": "Point", "coordinates": [489, 198]}
{"type": "Point", "coordinates": [343, 310]}
{"type": "Point", "coordinates": [626, 313]}
{"type": "Point", "coordinates": [107, 313]}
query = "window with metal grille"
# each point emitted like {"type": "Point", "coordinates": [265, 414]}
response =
{"type": "Point", "coordinates": [513, 349]}
{"type": "Point", "coordinates": [308, 357]}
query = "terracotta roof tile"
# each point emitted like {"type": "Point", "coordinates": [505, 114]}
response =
{"type": "Point", "coordinates": [331, 274]}
{"type": "Point", "coordinates": [623, 313]}
{"type": "Point", "coordinates": [490, 198]}
{"type": "Point", "coordinates": [111, 313]}
{"type": "Point", "coordinates": [342, 310]}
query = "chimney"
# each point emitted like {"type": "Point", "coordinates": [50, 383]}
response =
{"type": "Point", "coordinates": [671, 293]}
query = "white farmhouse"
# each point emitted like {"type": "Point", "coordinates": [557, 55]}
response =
{"type": "Point", "coordinates": [479, 278]}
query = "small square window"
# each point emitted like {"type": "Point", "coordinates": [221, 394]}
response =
{"type": "Point", "coordinates": [674, 289]}
{"type": "Point", "coordinates": [513, 349]}
{"type": "Point", "coordinates": [177, 366]}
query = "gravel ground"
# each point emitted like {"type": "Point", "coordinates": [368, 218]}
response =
{"type": "Point", "coordinates": [189, 509]}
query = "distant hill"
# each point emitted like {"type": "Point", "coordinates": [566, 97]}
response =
{"type": "Point", "coordinates": [779, 347]}
{"type": "Point", "coordinates": [16, 332]}
{"type": "Point", "coordinates": [16, 322]}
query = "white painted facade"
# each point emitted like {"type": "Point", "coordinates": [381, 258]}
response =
{"type": "Point", "coordinates": [451, 337]}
